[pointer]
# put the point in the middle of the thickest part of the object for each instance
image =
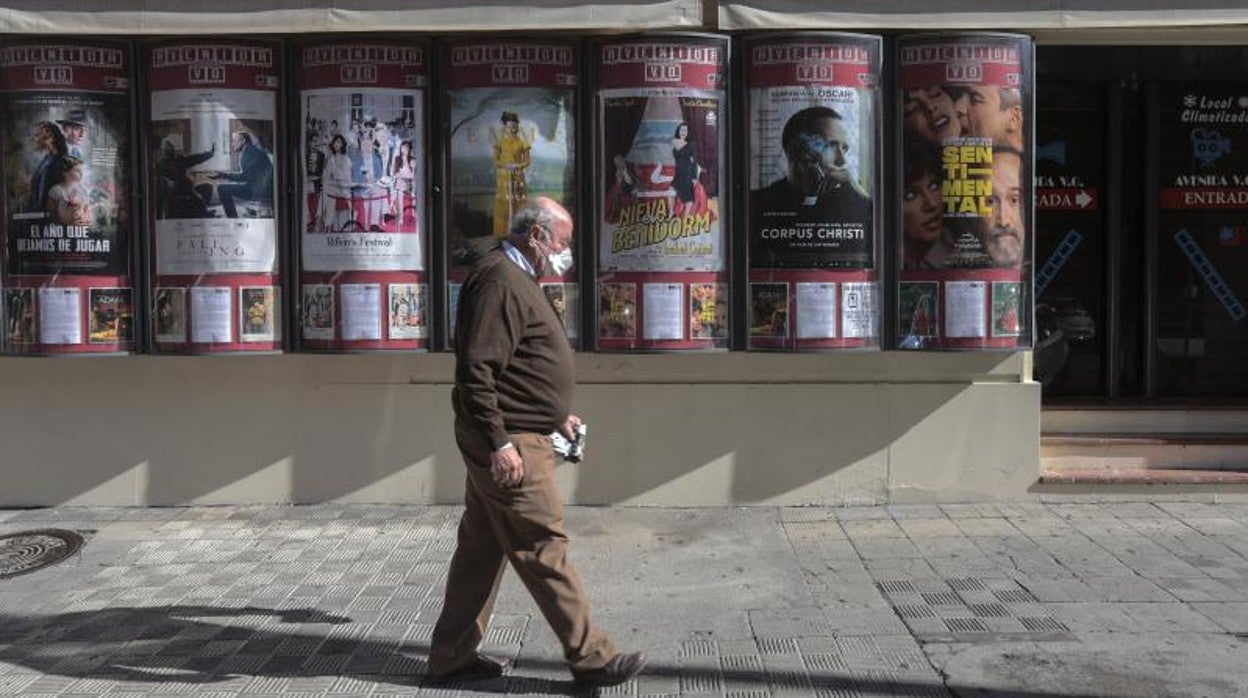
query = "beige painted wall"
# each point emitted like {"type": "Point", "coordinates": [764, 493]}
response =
{"type": "Point", "coordinates": [705, 429]}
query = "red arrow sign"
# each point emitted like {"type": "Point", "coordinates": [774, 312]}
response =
{"type": "Point", "coordinates": [1055, 199]}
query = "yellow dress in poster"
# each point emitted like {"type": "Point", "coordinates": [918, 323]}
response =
{"type": "Point", "coordinates": [512, 148]}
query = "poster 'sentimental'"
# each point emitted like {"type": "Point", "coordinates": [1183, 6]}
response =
{"type": "Point", "coordinates": [65, 139]}
{"type": "Point", "coordinates": [966, 182]}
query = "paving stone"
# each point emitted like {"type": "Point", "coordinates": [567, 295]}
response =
{"type": "Point", "coordinates": [1201, 589]}
{"type": "Point", "coordinates": [1092, 617]}
{"type": "Point", "coordinates": [1231, 617]}
{"type": "Point", "coordinates": [1126, 589]}
{"type": "Point", "coordinates": [930, 528]}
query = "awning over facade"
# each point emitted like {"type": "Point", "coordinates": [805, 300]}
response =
{"type": "Point", "coordinates": [976, 14]}
{"type": "Point", "coordinates": [305, 16]}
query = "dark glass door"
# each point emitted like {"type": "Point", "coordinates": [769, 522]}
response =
{"type": "Point", "coordinates": [1070, 196]}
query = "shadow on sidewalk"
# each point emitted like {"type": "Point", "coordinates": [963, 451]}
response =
{"type": "Point", "coordinates": [179, 645]}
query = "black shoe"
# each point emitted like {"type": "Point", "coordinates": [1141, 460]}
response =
{"type": "Point", "coordinates": [479, 668]}
{"type": "Point", "coordinates": [621, 668]}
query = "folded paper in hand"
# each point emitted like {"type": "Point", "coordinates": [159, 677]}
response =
{"type": "Point", "coordinates": [570, 451]}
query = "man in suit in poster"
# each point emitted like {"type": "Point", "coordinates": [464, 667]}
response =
{"type": "Point", "coordinates": [253, 181]}
{"type": "Point", "coordinates": [819, 190]}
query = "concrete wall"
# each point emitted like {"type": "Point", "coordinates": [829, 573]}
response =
{"type": "Point", "coordinates": [706, 429]}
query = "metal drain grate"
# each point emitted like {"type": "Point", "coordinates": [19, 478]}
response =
{"type": "Point", "coordinates": [965, 625]}
{"type": "Point", "coordinates": [942, 598]}
{"type": "Point", "coordinates": [1013, 596]}
{"type": "Point", "coordinates": [896, 586]}
{"type": "Point", "coordinates": [965, 584]}
{"type": "Point", "coordinates": [777, 645]}
{"type": "Point", "coordinates": [27, 551]}
{"type": "Point", "coordinates": [915, 611]}
{"type": "Point", "coordinates": [990, 610]}
{"type": "Point", "coordinates": [1044, 625]}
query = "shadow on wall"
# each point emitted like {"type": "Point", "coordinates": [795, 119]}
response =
{"type": "Point", "coordinates": [816, 444]}
{"type": "Point", "coordinates": [138, 435]}
{"type": "Point", "coordinates": [305, 430]}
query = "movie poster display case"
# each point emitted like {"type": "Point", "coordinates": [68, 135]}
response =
{"type": "Point", "coordinates": [68, 272]}
{"type": "Point", "coordinates": [812, 213]}
{"type": "Point", "coordinates": [660, 193]}
{"type": "Point", "coordinates": [965, 239]}
{"type": "Point", "coordinates": [214, 131]}
{"type": "Point", "coordinates": [362, 182]}
{"type": "Point", "coordinates": [510, 120]}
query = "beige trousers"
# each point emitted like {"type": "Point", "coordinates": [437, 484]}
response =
{"type": "Point", "coordinates": [523, 525]}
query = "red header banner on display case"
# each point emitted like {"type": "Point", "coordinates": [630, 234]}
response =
{"type": "Point", "coordinates": [67, 214]}
{"type": "Point", "coordinates": [214, 130]}
{"type": "Point", "coordinates": [511, 137]}
{"type": "Point", "coordinates": [813, 172]}
{"type": "Point", "coordinates": [966, 191]}
{"type": "Point", "coordinates": [363, 190]}
{"type": "Point", "coordinates": [661, 157]}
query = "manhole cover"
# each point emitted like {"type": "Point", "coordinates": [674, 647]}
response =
{"type": "Point", "coordinates": [31, 550]}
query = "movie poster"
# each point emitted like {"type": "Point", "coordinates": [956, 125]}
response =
{"type": "Point", "coordinates": [512, 136]}
{"type": "Point", "coordinates": [363, 157]}
{"type": "Point", "coordinates": [110, 315]}
{"type": "Point", "coordinates": [663, 142]}
{"type": "Point", "coordinates": [66, 182]}
{"type": "Point", "coordinates": [214, 135]}
{"type": "Point", "coordinates": [966, 178]}
{"type": "Point", "coordinates": [215, 185]}
{"type": "Point", "coordinates": [812, 152]}
{"type": "Point", "coordinates": [408, 304]}
{"type": "Point", "coordinates": [363, 173]}
{"type": "Point", "coordinates": [65, 144]}
{"type": "Point", "coordinates": [813, 207]}
{"type": "Point", "coordinates": [169, 315]}
{"type": "Point", "coordinates": [661, 218]}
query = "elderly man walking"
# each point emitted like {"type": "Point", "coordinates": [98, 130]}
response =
{"type": "Point", "coordinates": [513, 387]}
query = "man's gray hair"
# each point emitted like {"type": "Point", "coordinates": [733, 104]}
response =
{"type": "Point", "coordinates": [530, 214]}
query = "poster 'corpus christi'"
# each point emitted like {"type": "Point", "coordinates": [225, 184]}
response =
{"type": "Point", "coordinates": [512, 137]}
{"type": "Point", "coordinates": [363, 158]}
{"type": "Point", "coordinates": [812, 148]}
{"type": "Point", "coordinates": [964, 190]}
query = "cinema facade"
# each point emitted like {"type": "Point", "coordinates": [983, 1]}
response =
{"type": "Point", "coordinates": [826, 253]}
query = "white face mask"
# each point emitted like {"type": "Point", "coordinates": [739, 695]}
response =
{"type": "Point", "coordinates": [559, 264]}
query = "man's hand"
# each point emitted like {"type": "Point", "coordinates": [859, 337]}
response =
{"type": "Point", "coordinates": [506, 466]}
{"type": "Point", "coordinates": [569, 427]}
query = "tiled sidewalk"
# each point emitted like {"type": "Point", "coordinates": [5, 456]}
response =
{"type": "Point", "coordinates": [1021, 599]}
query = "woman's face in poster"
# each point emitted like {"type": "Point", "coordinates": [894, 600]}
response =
{"type": "Point", "coordinates": [931, 114]}
{"type": "Point", "coordinates": [922, 214]}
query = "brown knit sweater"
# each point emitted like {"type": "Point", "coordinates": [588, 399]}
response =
{"type": "Point", "coordinates": [513, 365]}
